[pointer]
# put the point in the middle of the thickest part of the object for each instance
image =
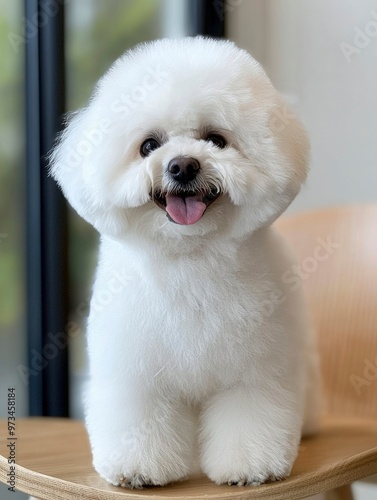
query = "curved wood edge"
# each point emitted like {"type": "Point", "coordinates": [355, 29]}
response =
{"type": "Point", "coordinates": [50, 488]}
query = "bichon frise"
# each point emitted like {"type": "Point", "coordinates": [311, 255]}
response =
{"type": "Point", "coordinates": [182, 160]}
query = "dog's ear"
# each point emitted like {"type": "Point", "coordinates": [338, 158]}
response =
{"type": "Point", "coordinates": [284, 143]}
{"type": "Point", "coordinates": [279, 153]}
{"type": "Point", "coordinates": [76, 163]}
{"type": "Point", "coordinates": [292, 141]}
{"type": "Point", "coordinates": [290, 155]}
{"type": "Point", "coordinates": [68, 161]}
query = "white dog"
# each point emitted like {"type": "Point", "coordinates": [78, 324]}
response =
{"type": "Point", "coordinates": [182, 160]}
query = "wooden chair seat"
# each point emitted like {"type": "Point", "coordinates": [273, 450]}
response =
{"type": "Point", "coordinates": [54, 462]}
{"type": "Point", "coordinates": [337, 258]}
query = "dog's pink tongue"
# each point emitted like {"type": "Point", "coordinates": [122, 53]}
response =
{"type": "Point", "coordinates": [185, 210]}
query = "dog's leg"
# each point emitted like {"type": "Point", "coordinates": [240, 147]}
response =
{"type": "Point", "coordinates": [138, 439]}
{"type": "Point", "coordinates": [250, 436]}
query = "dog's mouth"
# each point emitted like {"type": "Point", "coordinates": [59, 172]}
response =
{"type": "Point", "coordinates": [186, 207]}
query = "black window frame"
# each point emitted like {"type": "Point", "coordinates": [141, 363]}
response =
{"type": "Point", "coordinates": [46, 217]}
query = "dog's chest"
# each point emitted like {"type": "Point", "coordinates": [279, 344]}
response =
{"type": "Point", "coordinates": [200, 318]}
{"type": "Point", "coordinates": [190, 323]}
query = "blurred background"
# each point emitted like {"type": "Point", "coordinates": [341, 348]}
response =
{"type": "Point", "coordinates": [321, 55]}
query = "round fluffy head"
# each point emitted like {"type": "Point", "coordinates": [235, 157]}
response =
{"type": "Point", "coordinates": [183, 137]}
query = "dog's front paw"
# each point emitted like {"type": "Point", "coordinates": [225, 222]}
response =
{"type": "Point", "coordinates": [242, 443]}
{"type": "Point", "coordinates": [136, 481]}
{"type": "Point", "coordinates": [245, 464]}
{"type": "Point", "coordinates": [251, 479]}
{"type": "Point", "coordinates": [137, 477]}
{"type": "Point", "coordinates": [246, 476]}
{"type": "Point", "coordinates": [136, 468]}
{"type": "Point", "coordinates": [245, 472]}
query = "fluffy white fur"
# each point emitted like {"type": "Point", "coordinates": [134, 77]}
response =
{"type": "Point", "coordinates": [199, 351]}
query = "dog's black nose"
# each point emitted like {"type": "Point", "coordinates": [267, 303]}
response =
{"type": "Point", "coordinates": [183, 168]}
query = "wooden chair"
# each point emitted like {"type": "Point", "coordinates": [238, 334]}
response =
{"type": "Point", "coordinates": [337, 251]}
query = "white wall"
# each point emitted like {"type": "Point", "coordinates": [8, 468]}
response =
{"type": "Point", "coordinates": [299, 42]}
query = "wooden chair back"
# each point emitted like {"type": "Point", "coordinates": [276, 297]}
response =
{"type": "Point", "coordinates": [337, 261]}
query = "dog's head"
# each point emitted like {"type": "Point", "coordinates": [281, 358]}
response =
{"type": "Point", "coordinates": [182, 137]}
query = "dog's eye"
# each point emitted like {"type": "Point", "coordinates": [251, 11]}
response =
{"type": "Point", "coordinates": [148, 146]}
{"type": "Point", "coordinates": [217, 140]}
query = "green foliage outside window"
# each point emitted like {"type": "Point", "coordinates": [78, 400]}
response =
{"type": "Point", "coordinates": [12, 143]}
